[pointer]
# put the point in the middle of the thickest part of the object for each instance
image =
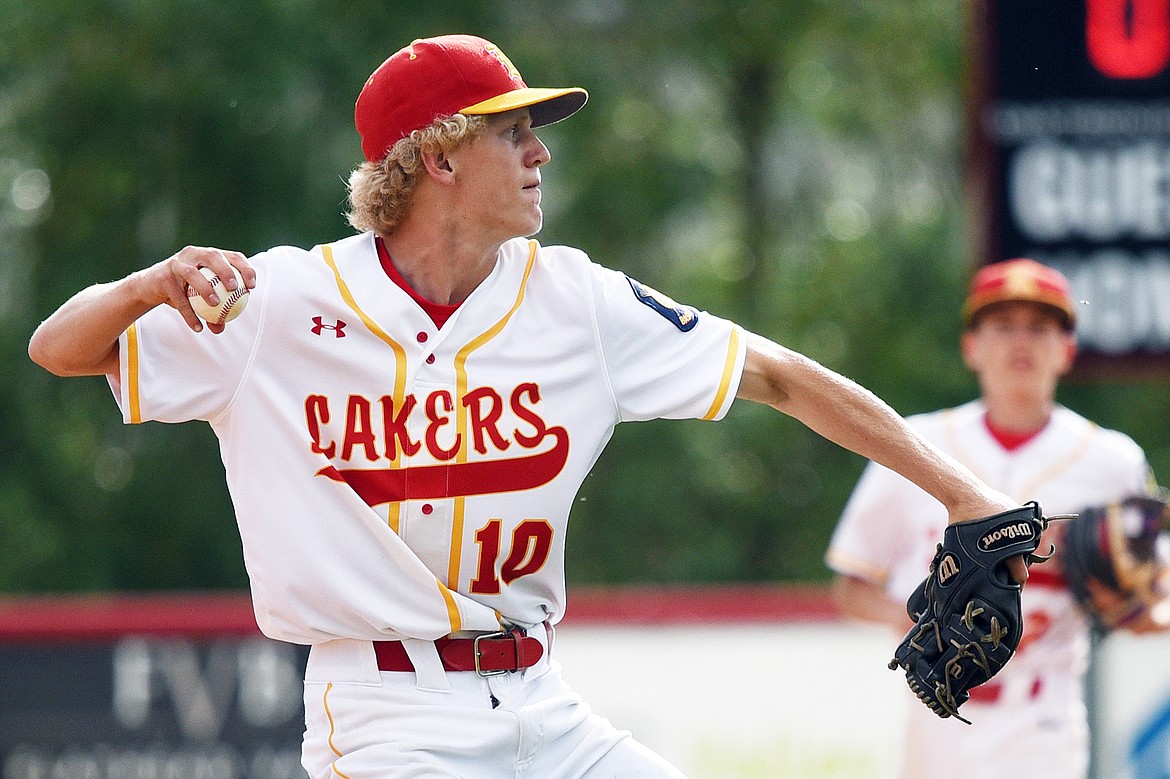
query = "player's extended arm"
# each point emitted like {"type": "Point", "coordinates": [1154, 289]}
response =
{"type": "Point", "coordinates": [81, 337]}
{"type": "Point", "coordinates": [865, 601]}
{"type": "Point", "coordinates": [853, 417]}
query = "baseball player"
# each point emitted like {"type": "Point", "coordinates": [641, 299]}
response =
{"type": "Point", "coordinates": [1019, 340]}
{"type": "Point", "coordinates": [405, 416]}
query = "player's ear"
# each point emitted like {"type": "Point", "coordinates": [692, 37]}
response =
{"type": "Point", "coordinates": [437, 164]}
{"type": "Point", "coordinates": [967, 347]}
{"type": "Point", "coordinates": [1070, 353]}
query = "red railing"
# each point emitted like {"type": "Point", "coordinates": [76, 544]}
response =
{"type": "Point", "coordinates": [93, 617]}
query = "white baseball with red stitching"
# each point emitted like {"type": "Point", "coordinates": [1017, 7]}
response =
{"type": "Point", "coordinates": [231, 302]}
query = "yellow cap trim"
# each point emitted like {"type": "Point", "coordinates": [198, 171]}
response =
{"type": "Point", "coordinates": [522, 98]}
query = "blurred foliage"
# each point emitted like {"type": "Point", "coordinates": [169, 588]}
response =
{"type": "Point", "coordinates": [794, 166]}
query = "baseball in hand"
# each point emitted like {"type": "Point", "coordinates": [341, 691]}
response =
{"type": "Point", "coordinates": [231, 302]}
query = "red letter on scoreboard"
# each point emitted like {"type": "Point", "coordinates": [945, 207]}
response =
{"type": "Point", "coordinates": [1128, 38]}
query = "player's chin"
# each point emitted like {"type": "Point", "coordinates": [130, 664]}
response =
{"type": "Point", "coordinates": [535, 222]}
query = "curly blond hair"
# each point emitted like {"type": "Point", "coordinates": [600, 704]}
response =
{"type": "Point", "coordinates": [380, 192]}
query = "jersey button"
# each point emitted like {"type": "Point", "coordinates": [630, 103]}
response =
{"type": "Point", "coordinates": [422, 338]}
{"type": "Point", "coordinates": [430, 359]}
{"type": "Point", "coordinates": [427, 508]}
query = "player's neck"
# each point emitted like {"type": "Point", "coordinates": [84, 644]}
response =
{"type": "Point", "coordinates": [1018, 406]}
{"type": "Point", "coordinates": [1010, 439]}
{"type": "Point", "coordinates": [443, 272]}
{"type": "Point", "coordinates": [438, 312]}
{"type": "Point", "coordinates": [1013, 424]}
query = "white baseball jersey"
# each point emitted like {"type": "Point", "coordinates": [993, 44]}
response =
{"type": "Point", "coordinates": [1031, 720]}
{"type": "Point", "coordinates": [393, 479]}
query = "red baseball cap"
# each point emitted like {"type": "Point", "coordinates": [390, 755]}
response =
{"type": "Point", "coordinates": [1021, 280]}
{"type": "Point", "coordinates": [450, 74]}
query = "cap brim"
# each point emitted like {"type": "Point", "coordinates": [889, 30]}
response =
{"type": "Point", "coordinates": [976, 306]}
{"type": "Point", "coordinates": [545, 105]}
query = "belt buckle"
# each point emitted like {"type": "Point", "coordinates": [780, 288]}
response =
{"type": "Point", "coordinates": [476, 653]}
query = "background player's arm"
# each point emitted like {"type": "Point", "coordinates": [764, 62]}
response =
{"type": "Point", "coordinates": [853, 417]}
{"type": "Point", "coordinates": [81, 337]}
{"type": "Point", "coordinates": [865, 601]}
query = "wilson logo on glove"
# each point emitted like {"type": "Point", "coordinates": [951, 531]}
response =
{"type": "Point", "coordinates": [1020, 531]}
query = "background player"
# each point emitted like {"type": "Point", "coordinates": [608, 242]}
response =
{"type": "Point", "coordinates": [1031, 719]}
{"type": "Point", "coordinates": [405, 416]}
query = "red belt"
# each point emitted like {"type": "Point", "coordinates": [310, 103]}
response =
{"type": "Point", "coordinates": [487, 655]}
{"type": "Point", "coordinates": [991, 691]}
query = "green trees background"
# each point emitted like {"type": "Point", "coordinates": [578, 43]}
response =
{"type": "Point", "coordinates": [795, 166]}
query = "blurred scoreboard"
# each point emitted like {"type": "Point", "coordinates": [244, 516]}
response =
{"type": "Point", "coordinates": [146, 688]}
{"type": "Point", "coordinates": [1070, 158]}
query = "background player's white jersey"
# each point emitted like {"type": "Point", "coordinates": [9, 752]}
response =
{"type": "Point", "coordinates": [392, 479]}
{"type": "Point", "coordinates": [888, 534]}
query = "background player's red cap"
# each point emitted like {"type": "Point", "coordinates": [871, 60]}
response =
{"type": "Point", "coordinates": [1020, 280]}
{"type": "Point", "coordinates": [450, 74]}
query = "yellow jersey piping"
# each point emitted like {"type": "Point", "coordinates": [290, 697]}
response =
{"type": "Point", "coordinates": [728, 370]}
{"type": "Point", "coordinates": [132, 394]}
{"type": "Point", "coordinates": [462, 416]}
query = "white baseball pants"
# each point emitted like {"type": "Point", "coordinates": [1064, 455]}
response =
{"type": "Point", "coordinates": [362, 723]}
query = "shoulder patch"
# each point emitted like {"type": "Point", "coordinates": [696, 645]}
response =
{"type": "Point", "coordinates": [682, 317]}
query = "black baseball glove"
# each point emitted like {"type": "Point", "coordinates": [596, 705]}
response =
{"type": "Point", "coordinates": [1115, 559]}
{"type": "Point", "coordinates": [967, 610]}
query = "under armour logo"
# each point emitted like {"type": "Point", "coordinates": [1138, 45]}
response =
{"type": "Point", "coordinates": [338, 327]}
